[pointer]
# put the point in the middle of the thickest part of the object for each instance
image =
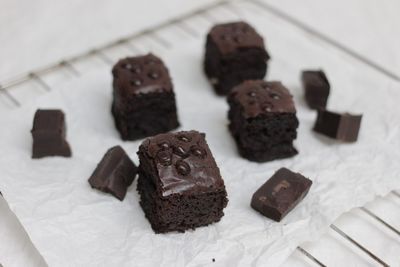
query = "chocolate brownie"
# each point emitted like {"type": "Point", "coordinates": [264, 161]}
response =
{"type": "Point", "coordinates": [180, 185]}
{"type": "Point", "coordinates": [234, 52]}
{"type": "Point", "coordinates": [263, 120]}
{"type": "Point", "coordinates": [280, 194]}
{"type": "Point", "coordinates": [114, 174]}
{"type": "Point", "coordinates": [144, 100]}
{"type": "Point", "coordinates": [49, 133]}
{"type": "Point", "coordinates": [316, 88]}
{"type": "Point", "coordinates": [344, 127]}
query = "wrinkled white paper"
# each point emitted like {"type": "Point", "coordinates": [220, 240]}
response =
{"type": "Point", "coordinates": [16, 248]}
{"type": "Point", "coordinates": [74, 225]}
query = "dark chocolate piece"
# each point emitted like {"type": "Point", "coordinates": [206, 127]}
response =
{"type": "Point", "coordinates": [48, 134]}
{"type": "Point", "coordinates": [180, 185]}
{"type": "Point", "coordinates": [144, 100]}
{"type": "Point", "coordinates": [235, 52]}
{"type": "Point", "coordinates": [263, 120]}
{"type": "Point", "coordinates": [316, 87]}
{"type": "Point", "coordinates": [280, 194]}
{"type": "Point", "coordinates": [344, 127]}
{"type": "Point", "coordinates": [114, 174]}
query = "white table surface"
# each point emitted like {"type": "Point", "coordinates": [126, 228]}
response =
{"type": "Point", "coordinates": [36, 33]}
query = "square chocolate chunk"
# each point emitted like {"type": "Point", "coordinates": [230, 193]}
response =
{"type": "Point", "coordinates": [180, 185]}
{"type": "Point", "coordinates": [144, 100]}
{"type": "Point", "coordinates": [344, 127]}
{"type": "Point", "coordinates": [234, 52]}
{"type": "Point", "coordinates": [280, 194]}
{"type": "Point", "coordinates": [263, 120]}
{"type": "Point", "coordinates": [316, 87]}
{"type": "Point", "coordinates": [48, 134]}
{"type": "Point", "coordinates": [114, 174]}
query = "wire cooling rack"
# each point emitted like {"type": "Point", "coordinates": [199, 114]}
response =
{"type": "Point", "coordinates": [15, 91]}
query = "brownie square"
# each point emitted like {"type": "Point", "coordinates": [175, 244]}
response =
{"type": "Point", "coordinates": [263, 120]}
{"type": "Point", "coordinates": [49, 133]}
{"type": "Point", "coordinates": [316, 88]}
{"type": "Point", "coordinates": [143, 97]}
{"type": "Point", "coordinates": [114, 173]}
{"type": "Point", "coordinates": [180, 185]}
{"type": "Point", "coordinates": [235, 52]}
{"type": "Point", "coordinates": [280, 194]}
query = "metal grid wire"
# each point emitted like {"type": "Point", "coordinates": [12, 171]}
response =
{"type": "Point", "coordinates": [182, 24]}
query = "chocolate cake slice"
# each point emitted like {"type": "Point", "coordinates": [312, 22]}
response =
{"type": "Point", "coordinates": [263, 120]}
{"type": "Point", "coordinates": [144, 100]}
{"type": "Point", "coordinates": [180, 185]}
{"type": "Point", "coordinates": [235, 52]}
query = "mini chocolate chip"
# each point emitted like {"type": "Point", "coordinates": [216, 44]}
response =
{"type": "Point", "coordinates": [136, 69]}
{"type": "Point", "coordinates": [153, 75]}
{"type": "Point", "coordinates": [182, 167]}
{"type": "Point", "coordinates": [127, 66]}
{"type": "Point", "coordinates": [198, 151]}
{"type": "Point", "coordinates": [163, 145]}
{"type": "Point", "coordinates": [184, 138]}
{"type": "Point", "coordinates": [251, 94]}
{"type": "Point", "coordinates": [236, 39]}
{"type": "Point", "coordinates": [267, 107]}
{"type": "Point", "coordinates": [136, 82]}
{"type": "Point", "coordinates": [164, 157]}
{"type": "Point", "coordinates": [180, 151]}
{"type": "Point", "coordinates": [274, 96]}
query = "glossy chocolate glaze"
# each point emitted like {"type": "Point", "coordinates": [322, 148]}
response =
{"type": "Point", "coordinates": [231, 37]}
{"type": "Point", "coordinates": [260, 97]}
{"type": "Point", "coordinates": [140, 75]}
{"type": "Point", "coordinates": [183, 163]}
{"type": "Point", "coordinates": [280, 194]}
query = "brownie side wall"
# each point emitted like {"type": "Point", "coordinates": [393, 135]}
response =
{"type": "Point", "coordinates": [265, 137]}
{"type": "Point", "coordinates": [145, 115]}
{"type": "Point", "coordinates": [179, 212]}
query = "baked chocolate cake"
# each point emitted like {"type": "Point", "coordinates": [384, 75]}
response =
{"type": "Point", "coordinates": [234, 52]}
{"type": "Point", "coordinates": [180, 185]}
{"type": "Point", "coordinates": [144, 100]}
{"type": "Point", "coordinates": [263, 120]}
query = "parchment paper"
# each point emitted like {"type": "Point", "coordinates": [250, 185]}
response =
{"type": "Point", "coordinates": [74, 225]}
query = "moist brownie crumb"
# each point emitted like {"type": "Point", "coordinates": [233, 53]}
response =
{"type": "Point", "coordinates": [180, 185]}
{"type": "Point", "coordinates": [143, 97]}
{"type": "Point", "coordinates": [263, 120]}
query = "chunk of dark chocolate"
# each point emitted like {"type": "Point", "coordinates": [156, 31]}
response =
{"type": "Point", "coordinates": [114, 174]}
{"type": "Point", "coordinates": [316, 88]}
{"type": "Point", "coordinates": [235, 52]}
{"type": "Point", "coordinates": [180, 185]}
{"type": "Point", "coordinates": [263, 120]}
{"type": "Point", "coordinates": [143, 97]}
{"type": "Point", "coordinates": [48, 134]}
{"type": "Point", "coordinates": [344, 127]}
{"type": "Point", "coordinates": [280, 194]}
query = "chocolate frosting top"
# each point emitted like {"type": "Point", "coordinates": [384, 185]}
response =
{"type": "Point", "coordinates": [48, 120]}
{"type": "Point", "coordinates": [141, 75]}
{"type": "Point", "coordinates": [259, 97]}
{"type": "Point", "coordinates": [184, 163]}
{"type": "Point", "coordinates": [230, 37]}
{"type": "Point", "coordinates": [282, 190]}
